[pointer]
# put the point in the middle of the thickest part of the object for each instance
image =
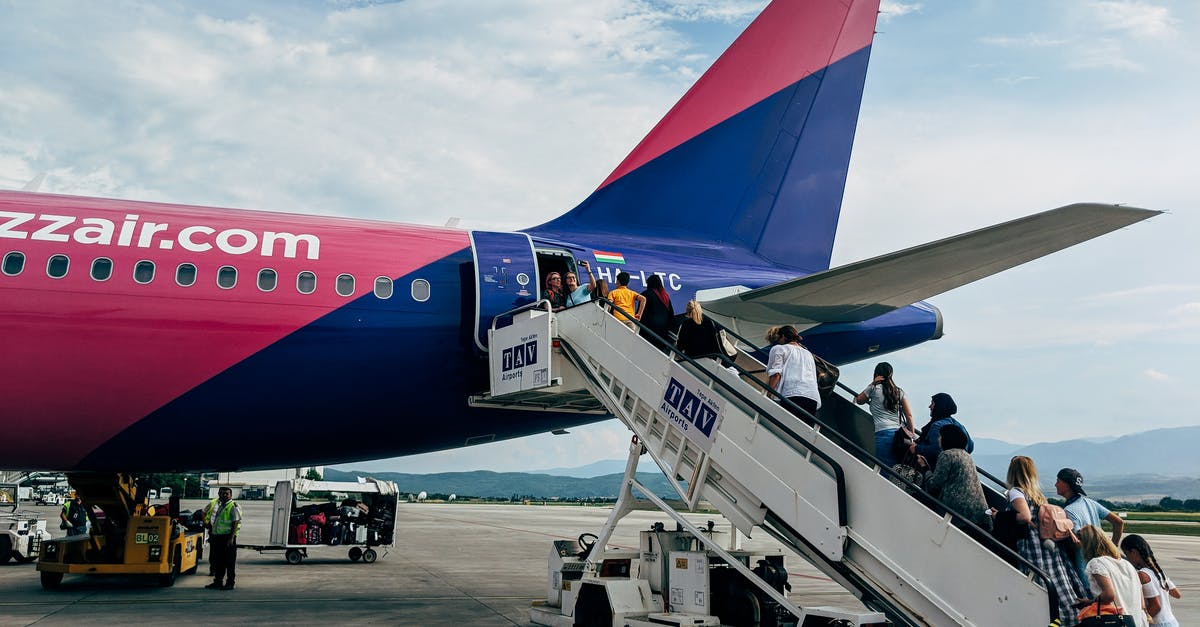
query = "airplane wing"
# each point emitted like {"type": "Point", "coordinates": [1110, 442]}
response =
{"type": "Point", "coordinates": [865, 289]}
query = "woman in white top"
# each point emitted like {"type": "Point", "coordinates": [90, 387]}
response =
{"type": "Point", "coordinates": [792, 371]}
{"type": "Point", "coordinates": [889, 410]}
{"type": "Point", "coordinates": [1157, 589]}
{"type": "Point", "coordinates": [1114, 579]}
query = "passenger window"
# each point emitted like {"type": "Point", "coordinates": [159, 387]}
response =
{"type": "Point", "coordinates": [383, 287]}
{"type": "Point", "coordinates": [143, 272]}
{"type": "Point", "coordinates": [420, 290]}
{"type": "Point", "coordinates": [345, 284]}
{"type": "Point", "coordinates": [226, 277]}
{"type": "Point", "coordinates": [57, 266]}
{"type": "Point", "coordinates": [14, 263]}
{"type": "Point", "coordinates": [306, 282]}
{"type": "Point", "coordinates": [267, 279]}
{"type": "Point", "coordinates": [185, 275]}
{"type": "Point", "coordinates": [101, 268]}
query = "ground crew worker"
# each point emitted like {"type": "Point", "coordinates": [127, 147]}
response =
{"type": "Point", "coordinates": [74, 517]}
{"type": "Point", "coordinates": [223, 517]}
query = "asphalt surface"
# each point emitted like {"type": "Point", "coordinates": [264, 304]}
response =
{"type": "Point", "coordinates": [452, 564]}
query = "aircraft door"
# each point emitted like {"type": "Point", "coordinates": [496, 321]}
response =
{"type": "Point", "coordinates": [505, 277]}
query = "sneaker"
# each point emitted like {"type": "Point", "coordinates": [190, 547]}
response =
{"type": "Point", "coordinates": [228, 586]}
{"type": "Point", "coordinates": [216, 585]}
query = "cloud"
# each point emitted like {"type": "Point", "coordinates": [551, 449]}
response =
{"type": "Point", "coordinates": [1139, 19]}
{"type": "Point", "coordinates": [1186, 309]}
{"type": "Point", "coordinates": [1029, 40]}
{"type": "Point", "coordinates": [891, 9]}
{"type": "Point", "coordinates": [1155, 375]}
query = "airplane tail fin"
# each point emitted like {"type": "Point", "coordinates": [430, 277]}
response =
{"type": "Point", "coordinates": [755, 154]}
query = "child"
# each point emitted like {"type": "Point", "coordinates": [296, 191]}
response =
{"type": "Point", "coordinates": [628, 303]}
{"type": "Point", "coordinates": [1156, 588]}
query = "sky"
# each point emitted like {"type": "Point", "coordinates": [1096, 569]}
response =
{"type": "Point", "coordinates": [506, 114]}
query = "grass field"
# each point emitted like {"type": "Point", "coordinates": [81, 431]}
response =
{"type": "Point", "coordinates": [1171, 516]}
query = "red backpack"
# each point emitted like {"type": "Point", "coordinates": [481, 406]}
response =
{"type": "Point", "coordinates": [1053, 523]}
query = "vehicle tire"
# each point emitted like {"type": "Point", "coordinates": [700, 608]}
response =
{"type": "Point", "coordinates": [294, 556]}
{"type": "Point", "coordinates": [51, 581]}
{"type": "Point", "coordinates": [24, 559]}
{"type": "Point", "coordinates": [356, 554]}
{"type": "Point", "coordinates": [5, 548]}
{"type": "Point", "coordinates": [168, 579]}
{"type": "Point", "coordinates": [369, 556]}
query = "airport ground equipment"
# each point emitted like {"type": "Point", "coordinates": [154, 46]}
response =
{"type": "Point", "coordinates": [813, 485]}
{"type": "Point", "coordinates": [362, 532]}
{"type": "Point", "coordinates": [22, 533]}
{"type": "Point", "coordinates": [127, 536]}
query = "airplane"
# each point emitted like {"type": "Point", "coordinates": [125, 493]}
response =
{"type": "Point", "coordinates": [283, 340]}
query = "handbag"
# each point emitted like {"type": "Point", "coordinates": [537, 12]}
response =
{"type": "Point", "coordinates": [827, 375]}
{"type": "Point", "coordinates": [727, 346]}
{"type": "Point", "coordinates": [1107, 615]}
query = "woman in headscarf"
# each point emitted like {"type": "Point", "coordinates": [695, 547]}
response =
{"type": "Point", "coordinates": [941, 413]}
{"type": "Point", "coordinates": [658, 313]}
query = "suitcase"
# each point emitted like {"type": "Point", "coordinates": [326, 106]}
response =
{"type": "Point", "coordinates": [314, 535]}
{"type": "Point", "coordinates": [299, 534]}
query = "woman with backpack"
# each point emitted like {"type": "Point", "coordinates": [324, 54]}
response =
{"type": "Point", "coordinates": [1024, 500]}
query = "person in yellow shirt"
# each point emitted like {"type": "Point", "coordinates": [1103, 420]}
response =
{"type": "Point", "coordinates": [629, 304]}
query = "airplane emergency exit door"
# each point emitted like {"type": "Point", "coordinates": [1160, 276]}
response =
{"type": "Point", "coordinates": [505, 277]}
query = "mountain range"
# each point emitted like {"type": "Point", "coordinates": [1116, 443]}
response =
{"type": "Point", "coordinates": [1137, 467]}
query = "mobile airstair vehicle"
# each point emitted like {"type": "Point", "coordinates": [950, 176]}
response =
{"type": "Point", "coordinates": [721, 438]}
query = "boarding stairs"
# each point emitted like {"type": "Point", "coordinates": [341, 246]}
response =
{"type": "Point", "coordinates": [809, 486]}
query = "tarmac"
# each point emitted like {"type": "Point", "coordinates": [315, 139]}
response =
{"type": "Point", "coordinates": [461, 564]}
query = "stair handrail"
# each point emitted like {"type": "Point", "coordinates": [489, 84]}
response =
{"type": "Point", "coordinates": [919, 494]}
{"type": "Point", "coordinates": [839, 474]}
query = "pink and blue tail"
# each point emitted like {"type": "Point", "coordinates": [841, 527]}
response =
{"type": "Point", "coordinates": [755, 154]}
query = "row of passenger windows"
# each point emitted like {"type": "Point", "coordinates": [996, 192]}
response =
{"type": "Point", "coordinates": [227, 276]}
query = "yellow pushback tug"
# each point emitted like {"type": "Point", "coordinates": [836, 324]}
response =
{"type": "Point", "coordinates": [126, 536]}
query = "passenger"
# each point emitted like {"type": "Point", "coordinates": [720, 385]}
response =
{"type": "Point", "coordinates": [941, 413]}
{"type": "Point", "coordinates": [1115, 580]}
{"type": "Point", "coordinates": [697, 334]}
{"type": "Point", "coordinates": [657, 313]}
{"type": "Point", "coordinates": [890, 411]}
{"type": "Point", "coordinates": [601, 291]}
{"type": "Point", "coordinates": [1084, 511]}
{"type": "Point", "coordinates": [792, 372]}
{"type": "Point", "coordinates": [1024, 498]}
{"type": "Point", "coordinates": [577, 294]}
{"type": "Point", "coordinates": [628, 305]}
{"type": "Point", "coordinates": [956, 481]}
{"type": "Point", "coordinates": [554, 292]}
{"type": "Point", "coordinates": [1157, 589]}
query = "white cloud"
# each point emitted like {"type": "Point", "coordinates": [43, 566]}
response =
{"type": "Point", "coordinates": [1186, 309]}
{"type": "Point", "coordinates": [1029, 40]}
{"type": "Point", "coordinates": [892, 9]}
{"type": "Point", "coordinates": [1139, 19]}
{"type": "Point", "coordinates": [1155, 375]}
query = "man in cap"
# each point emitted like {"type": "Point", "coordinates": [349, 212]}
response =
{"type": "Point", "coordinates": [1083, 512]}
{"type": "Point", "coordinates": [1080, 509]}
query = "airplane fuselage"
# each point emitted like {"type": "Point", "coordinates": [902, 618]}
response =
{"type": "Point", "coordinates": [280, 339]}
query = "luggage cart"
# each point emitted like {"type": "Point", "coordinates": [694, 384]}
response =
{"type": "Point", "coordinates": [358, 517]}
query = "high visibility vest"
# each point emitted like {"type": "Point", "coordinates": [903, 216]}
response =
{"type": "Point", "coordinates": [223, 525]}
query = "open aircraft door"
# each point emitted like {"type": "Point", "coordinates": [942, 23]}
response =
{"type": "Point", "coordinates": [506, 277]}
